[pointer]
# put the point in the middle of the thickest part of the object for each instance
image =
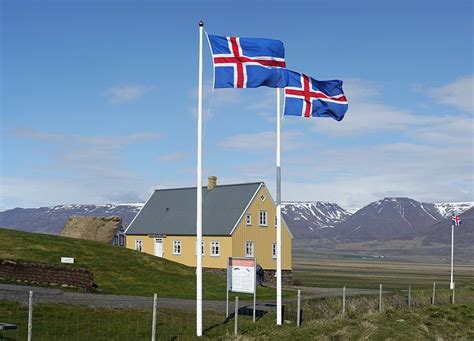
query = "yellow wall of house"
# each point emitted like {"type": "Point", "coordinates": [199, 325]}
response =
{"type": "Point", "coordinates": [263, 237]}
{"type": "Point", "coordinates": [188, 254]}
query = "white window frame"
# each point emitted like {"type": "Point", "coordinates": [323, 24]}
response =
{"type": "Point", "coordinates": [274, 250]}
{"type": "Point", "coordinates": [249, 248]}
{"type": "Point", "coordinates": [139, 245]}
{"type": "Point", "coordinates": [121, 240]}
{"type": "Point", "coordinates": [177, 247]}
{"type": "Point", "coordinates": [196, 246]}
{"type": "Point", "coordinates": [263, 222]}
{"type": "Point", "coordinates": [215, 245]}
{"type": "Point", "coordinates": [263, 197]}
{"type": "Point", "coordinates": [248, 220]}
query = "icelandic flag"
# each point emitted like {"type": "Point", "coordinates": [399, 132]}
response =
{"type": "Point", "coordinates": [305, 96]}
{"type": "Point", "coordinates": [456, 220]}
{"type": "Point", "coordinates": [247, 62]}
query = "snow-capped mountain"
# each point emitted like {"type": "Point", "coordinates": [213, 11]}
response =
{"type": "Point", "coordinates": [387, 218]}
{"type": "Point", "coordinates": [446, 209]}
{"type": "Point", "coordinates": [52, 219]}
{"type": "Point", "coordinates": [307, 219]}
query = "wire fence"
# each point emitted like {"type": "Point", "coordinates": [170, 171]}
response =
{"type": "Point", "coordinates": [55, 317]}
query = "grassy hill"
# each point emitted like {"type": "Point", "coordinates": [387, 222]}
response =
{"type": "Point", "coordinates": [116, 270]}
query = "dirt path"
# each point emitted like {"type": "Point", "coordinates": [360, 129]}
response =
{"type": "Point", "coordinates": [20, 294]}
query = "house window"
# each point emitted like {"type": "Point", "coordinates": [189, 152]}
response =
{"type": "Point", "coordinates": [121, 240]}
{"type": "Point", "coordinates": [215, 248]}
{"type": "Point", "coordinates": [262, 197]}
{"type": "Point", "coordinates": [115, 242]}
{"type": "Point", "coordinates": [249, 249]}
{"type": "Point", "coordinates": [176, 247]}
{"type": "Point", "coordinates": [139, 245]}
{"type": "Point", "coordinates": [274, 250]}
{"type": "Point", "coordinates": [248, 219]}
{"type": "Point", "coordinates": [263, 218]}
{"type": "Point", "coordinates": [202, 248]}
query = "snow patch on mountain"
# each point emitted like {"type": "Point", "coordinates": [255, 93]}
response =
{"type": "Point", "coordinates": [446, 209]}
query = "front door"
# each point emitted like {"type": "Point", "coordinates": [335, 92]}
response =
{"type": "Point", "coordinates": [159, 247]}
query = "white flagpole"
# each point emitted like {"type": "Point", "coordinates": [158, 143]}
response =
{"type": "Point", "coordinates": [451, 284]}
{"type": "Point", "coordinates": [278, 203]}
{"type": "Point", "coordinates": [199, 196]}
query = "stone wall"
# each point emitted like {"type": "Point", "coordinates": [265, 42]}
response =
{"type": "Point", "coordinates": [270, 277]}
{"type": "Point", "coordinates": [46, 274]}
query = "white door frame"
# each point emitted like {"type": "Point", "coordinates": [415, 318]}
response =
{"type": "Point", "coordinates": [155, 249]}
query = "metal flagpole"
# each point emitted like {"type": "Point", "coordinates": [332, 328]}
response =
{"type": "Point", "coordinates": [451, 284]}
{"type": "Point", "coordinates": [199, 196]}
{"type": "Point", "coordinates": [278, 203]}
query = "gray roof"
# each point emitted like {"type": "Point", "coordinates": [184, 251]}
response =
{"type": "Point", "coordinates": [173, 211]}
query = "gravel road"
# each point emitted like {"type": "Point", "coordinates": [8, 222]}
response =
{"type": "Point", "coordinates": [20, 294]}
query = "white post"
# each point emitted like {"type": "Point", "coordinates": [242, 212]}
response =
{"type": "Point", "coordinates": [434, 290]}
{"type": "Point", "coordinates": [298, 313]}
{"type": "Point", "coordinates": [343, 300]}
{"type": "Point", "coordinates": [199, 195]}
{"type": "Point", "coordinates": [255, 288]}
{"type": "Point", "coordinates": [278, 203]}
{"type": "Point", "coordinates": [236, 315]}
{"type": "Point", "coordinates": [380, 298]}
{"type": "Point", "coordinates": [153, 325]}
{"type": "Point", "coordinates": [454, 293]}
{"type": "Point", "coordinates": [227, 304]}
{"type": "Point", "coordinates": [451, 284]}
{"type": "Point", "coordinates": [30, 315]}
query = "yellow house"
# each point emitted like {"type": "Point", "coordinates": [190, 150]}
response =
{"type": "Point", "coordinates": [239, 220]}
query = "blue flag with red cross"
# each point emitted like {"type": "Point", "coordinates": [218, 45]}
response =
{"type": "Point", "coordinates": [307, 97]}
{"type": "Point", "coordinates": [247, 62]}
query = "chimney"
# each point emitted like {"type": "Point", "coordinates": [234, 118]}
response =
{"type": "Point", "coordinates": [212, 182]}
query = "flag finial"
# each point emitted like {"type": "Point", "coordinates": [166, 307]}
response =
{"type": "Point", "coordinates": [201, 23]}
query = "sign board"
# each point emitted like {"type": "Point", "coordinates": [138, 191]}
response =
{"type": "Point", "coordinates": [68, 260]}
{"type": "Point", "coordinates": [241, 275]}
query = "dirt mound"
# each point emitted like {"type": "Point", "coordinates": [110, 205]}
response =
{"type": "Point", "coordinates": [101, 229]}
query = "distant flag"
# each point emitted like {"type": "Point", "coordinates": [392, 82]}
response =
{"type": "Point", "coordinates": [247, 62]}
{"type": "Point", "coordinates": [307, 97]}
{"type": "Point", "coordinates": [456, 220]}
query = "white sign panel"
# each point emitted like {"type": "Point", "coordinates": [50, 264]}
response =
{"type": "Point", "coordinates": [241, 275]}
{"type": "Point", "coordinates": [68, 260]}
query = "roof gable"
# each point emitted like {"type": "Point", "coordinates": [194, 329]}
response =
{"type": "Point", "coordinates": [173, 211]}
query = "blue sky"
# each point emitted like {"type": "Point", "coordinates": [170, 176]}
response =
{"type": "Point", "coordinates": [98, 100]}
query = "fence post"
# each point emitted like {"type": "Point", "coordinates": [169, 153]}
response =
{"type": "Point", "coordinates": [236, 315]}
{"type": "Point", "coordinates": [454, 293]}
{"type": "Point", "coordinates": [30, 315]}
{"type": "Point", "coordinates": [298, 313]}
{"type": "Point", "coordinates": [434, 290]}
{"type": "Point", "coordinates": [343, 300]}
{"type": "Point", "coordinates": [153, 324]}
{"type": "Point", "coordinates": [409, 296]}
{"type": "Point", "coordinates": [380, 298]}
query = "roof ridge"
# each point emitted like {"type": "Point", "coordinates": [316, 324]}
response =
{"type": "Point", "coordinates": [193, 187]}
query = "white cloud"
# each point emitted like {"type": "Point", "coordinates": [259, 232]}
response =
{"type": "Point", "coordinates": [126, 93]}
{"type": "Point", "coordinates": [458, 94]}
{"type": "Point", "coordinates": [171, 157]}
{"type": "Point", "coordinates": [260, 141]}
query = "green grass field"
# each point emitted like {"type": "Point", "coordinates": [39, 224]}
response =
{"type": "Point", "coordinates": [117, 270]}
{"type": "Point", "coordinates": [322, 320]}
{"type": "Point", "coordinates": [333, 270]}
